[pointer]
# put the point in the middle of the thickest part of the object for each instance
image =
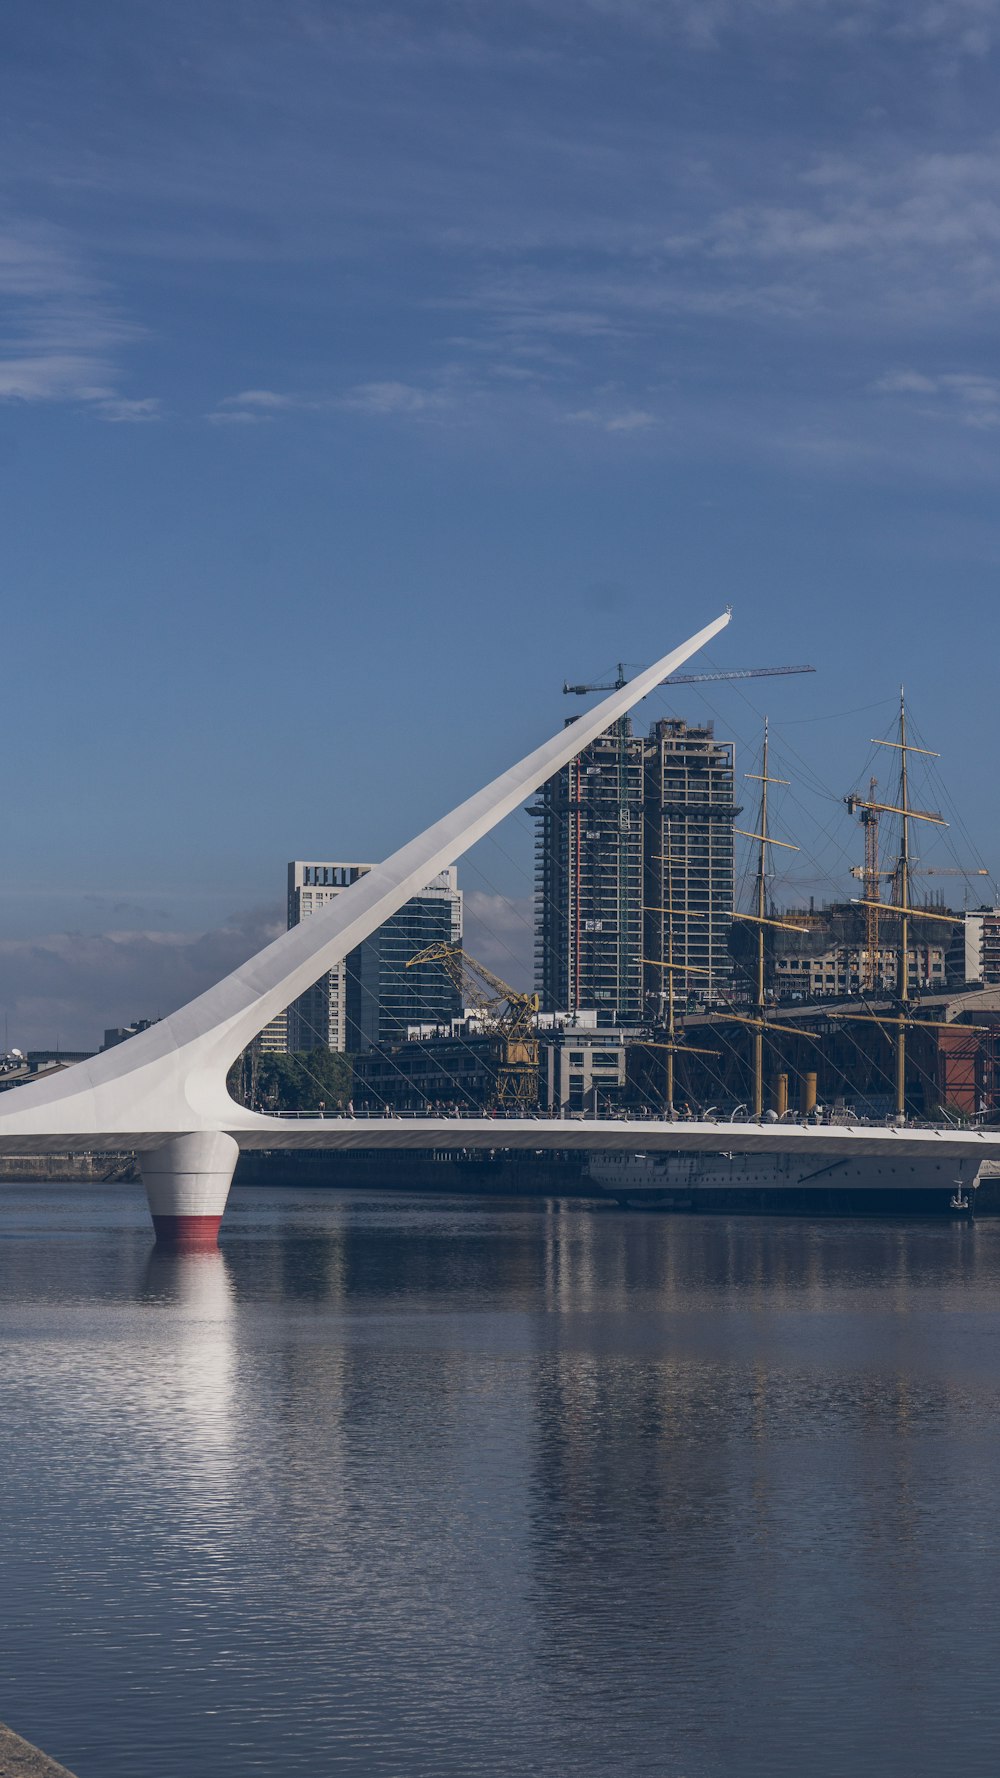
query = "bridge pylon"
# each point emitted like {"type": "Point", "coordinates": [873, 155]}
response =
{"type": "Point", "coordinates": [187, 1183]}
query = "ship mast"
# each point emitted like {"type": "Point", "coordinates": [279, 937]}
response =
{"type": "Point", "coordinates": [671, 1006]}
{"type": "Point", "coordinates": [903, 899]}
{"type": "Point", "coordinates": [903, 905]}
{"type": "Point", "coordinates": [761, 1005]}
{"type": "Point", "coordinates": [873, 888]}
{"type": "Point", "coordinates": [761, 918]}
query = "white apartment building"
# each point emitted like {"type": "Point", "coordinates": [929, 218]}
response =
{"type": "Point", "coordinates": [982, 946]}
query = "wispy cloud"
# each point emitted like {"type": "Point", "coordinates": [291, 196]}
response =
{"type": "Point", "coordinates": [845, 244]}
{"type": "Point", "coordinates": [63, 334]}
{"type": "Point", "coordinates": [968, 25]}
{"type": "Point", "coordinates": [966, 396]}
{"type": "Point", "coordinates": [261, 400]}
{"type": "Point", "coordinates": [528, 31]}
{"type": "Point", "coordinates": [234, 416]}
{"type": "Point", "coordinates": [388, 397]}
{"type": "Point", "coordinates": [69, 986]}
{"type": "Point", "coordinates": [119, 410]}
{"type": "Point", "coordinates": [634, 419]}
{"type": "Point", "coordinates": [252, 406]}
{"type": "Point", "coordinates": [944, 202]}
{"type": "Point", "coordinates": [599, 241]}
{"type": "Point", "coordinates": [394, 398]}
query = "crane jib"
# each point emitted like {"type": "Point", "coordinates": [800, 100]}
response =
{"type": "Point", "coordinates": [581, 691]}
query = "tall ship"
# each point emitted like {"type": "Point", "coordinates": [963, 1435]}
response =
{"type": "Point", "coordinates": [812, 1183]}
{"type": "Point", "coordinates": [822, 1185]}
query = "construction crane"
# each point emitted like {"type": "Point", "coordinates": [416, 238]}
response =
{"type": "Point", "coordinates": [872, 878]}
{"type": "Point", "coordinates": [869, 873]}
{"type": "Point", "coordinates": [580, 691]}
{"type": "Point", "coordinates": [929, 870]}
{"type": "Point", "coordinates": [949, 870]}
{"type": "Point", "coordinates": [504, 1014]}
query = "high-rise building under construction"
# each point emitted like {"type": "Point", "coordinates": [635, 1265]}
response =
{"type": "Point", "coordinates": [588, 882]}
{"type": "Point", "coordinates": [634, 868]}
{"type": "Point", "coordinates": [689, 809]}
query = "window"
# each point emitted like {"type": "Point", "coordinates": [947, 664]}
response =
{"type": "Point", "coordinates": [576, 1058]}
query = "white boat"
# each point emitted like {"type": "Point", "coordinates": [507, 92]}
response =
{"type": "Point", "coordinates": [865, 1185]}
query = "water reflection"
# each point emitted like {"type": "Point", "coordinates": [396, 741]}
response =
{"type": "Point", "coordinates": [184, 1404]}
{"type": "Point", "coordinates": [400, 1484]}
{"type": "Point", "coordinates": [770, 1479]}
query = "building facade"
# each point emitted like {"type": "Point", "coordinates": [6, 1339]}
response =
{"type": "Point", "coordinates": [437, 1074]}
{"type": "Point", "coordinates": [588, 882]}
{"type": "Point", "coordinates": [583, 1071]}
{"type": "Point", "coordinates": [634, 868]}
{"type": "Point", "coordinates": [318, 1018]}
{"type": "Point", "coordinates": [982, 946]}
{"type": "Point", "coordinates": [384, 997]}
{"type": "Point", "coordinates": [690, 808]}
{"type": "Point", "coordinates": [829, 959]}
{"type": "Point", "coordinates": [273, 1040]}
{"type": "Point", "coordinates": [371, 997]}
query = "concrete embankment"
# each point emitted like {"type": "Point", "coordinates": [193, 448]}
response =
{"type": "Point", "coordinates": [62, 1167]}
{"type": "Point", "coordinates": [506, 1175]}
{"type": "Point", "coordinates": [527, 1174]}
{"type": "Point", "coordinates": [18, 1759]}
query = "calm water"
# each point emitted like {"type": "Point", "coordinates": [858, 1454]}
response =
{"type": "Point", "coordinates": [400, 1486]}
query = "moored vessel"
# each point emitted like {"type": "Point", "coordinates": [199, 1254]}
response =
{"type": "Point", "coordinates": [790, 1184]}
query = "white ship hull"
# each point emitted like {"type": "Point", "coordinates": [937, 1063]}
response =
{"type": "Point", "coordinates": [810, 1185]}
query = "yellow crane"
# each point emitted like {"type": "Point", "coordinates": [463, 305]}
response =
{"type": "Point", "coordinates": [505, 1014]}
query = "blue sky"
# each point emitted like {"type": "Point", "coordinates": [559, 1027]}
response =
{"type": "Point", "coordinates": [367, 370]}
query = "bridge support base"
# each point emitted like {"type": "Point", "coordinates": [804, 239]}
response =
{"type": "Point", "coordinates": [187, 1183]}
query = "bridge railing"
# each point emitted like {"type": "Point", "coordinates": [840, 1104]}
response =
{"type": "Point", "coordinates": [836, 1118]}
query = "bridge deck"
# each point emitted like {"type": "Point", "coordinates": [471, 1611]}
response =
{"type": "Point", "coordinates": [353, 1135]}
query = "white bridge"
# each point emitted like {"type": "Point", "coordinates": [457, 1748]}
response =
{"type": "Point", "coordinates": [163, 1092]}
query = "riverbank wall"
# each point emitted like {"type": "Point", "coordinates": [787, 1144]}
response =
{"type": "Point", "coordinates": [477, 1174]}
{"type": "Point", "coordinates": [526, 1175]}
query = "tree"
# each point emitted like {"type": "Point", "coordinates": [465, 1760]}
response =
{"type": "Point", "coordinates": [306, 1080]}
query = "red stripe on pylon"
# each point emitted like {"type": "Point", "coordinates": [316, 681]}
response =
{"type": "Point", "coordinates": [187, 1231]}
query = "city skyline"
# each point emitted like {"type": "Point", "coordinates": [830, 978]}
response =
{"type": "Point", "coordinates": [65, 988]}
{"type": "Point", "coordinates": [304, 413]}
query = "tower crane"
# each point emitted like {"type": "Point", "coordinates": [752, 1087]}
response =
{"type": "Point", "coordinates": [872, 876]}
{"type": "Point", "coordinates": [950, 870]}
{"type": "Point", "coordinates": [871, 879]}
{"type": "Point", "coordinates": [929, 870]}
{"type": "Point", "coordinates": [504, 1013]}
{"type": "Point", "coordinates": [580, 691]}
